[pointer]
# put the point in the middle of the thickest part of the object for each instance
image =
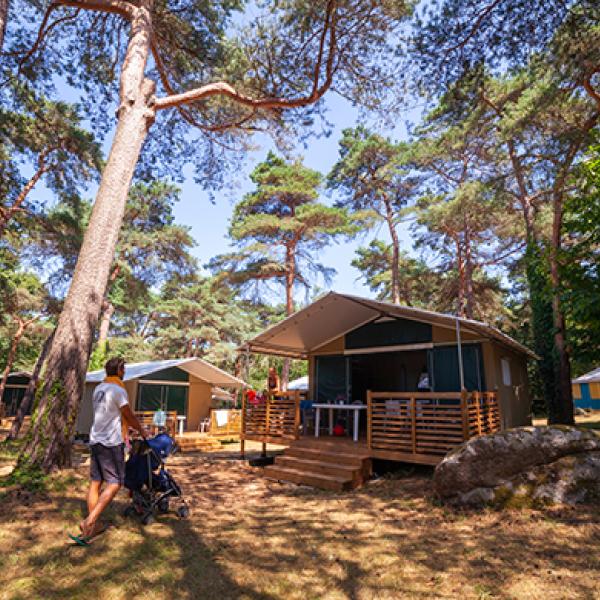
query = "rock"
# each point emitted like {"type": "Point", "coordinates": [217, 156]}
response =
{"type": "Point", "coordinates": [524, 466]}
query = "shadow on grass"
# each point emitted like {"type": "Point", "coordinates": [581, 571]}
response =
{"type": "Point", "coordinates": [168, 559]}
{"type": "Point", "coordinates": [252, 539]}
{"type": "Point", "coordinates": [390, 539]}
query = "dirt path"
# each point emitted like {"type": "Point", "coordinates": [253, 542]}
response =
{"type": "Point", "coordinates": [253, 539]}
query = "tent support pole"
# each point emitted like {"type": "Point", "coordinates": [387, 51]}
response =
{"type": "Point", "coordinates": [461, 372]}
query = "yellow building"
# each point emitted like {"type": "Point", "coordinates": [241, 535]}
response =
{"type": "Point", "coordinates": [586, 390]}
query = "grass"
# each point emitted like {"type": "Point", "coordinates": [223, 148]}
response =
{"type": "Point", "coordinates": [589, 421]}
{"type": "Point", "coordinates": [251, 539]}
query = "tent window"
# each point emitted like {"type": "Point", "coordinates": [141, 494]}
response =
{"type": "Point", "coordinates": [446, 378]}
{"type": "Point", "coordinates": [333, 378]}
{"type": "Point", "coordinates": [506, 380]}
{"type": "Point", "coordinates": [389, 333]}
{"type": "Point", "coordinates": [163, 397]}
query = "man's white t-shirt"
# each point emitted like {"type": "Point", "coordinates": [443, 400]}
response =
{"type": "Point", "coordinates": [107, 401]}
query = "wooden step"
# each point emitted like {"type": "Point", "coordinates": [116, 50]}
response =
{"type": "Point", "coordinates": [196, 444]}
{"type": "Point", "coordinates": [325, 455]}
{"type": "Point", "coordinates": [318, 480]}
{"type": "Point", "coordinates": [341, 444]}
{"type": "Point", "coordinates": [317, 466]}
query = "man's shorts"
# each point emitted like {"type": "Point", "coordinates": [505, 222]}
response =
{"type": "Point", "coordinates": [107, 463]}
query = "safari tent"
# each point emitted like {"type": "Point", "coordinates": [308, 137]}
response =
{"type": "Point", "coordinates": [427, 381]}
{"type": "Point", "coordinates": [184, 385]}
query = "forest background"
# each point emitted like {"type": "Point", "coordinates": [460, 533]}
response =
{"type": "Point", "coordinates": [471, 188]}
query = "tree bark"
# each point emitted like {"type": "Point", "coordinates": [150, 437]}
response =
{"type": "Point", "coordinates": [389, 217]}
{"type": "Point", "coordinates": [3, 19]}
{"type": "Point", "coordinates": [7, 213]}
{"type": "Point", "coordinates": [536, 273]}
{"type": "Point", "coordinates": [469, 300]}
{"type": "Point", "coordinates": [460, 265]}
{"type": "Point", "coordinates": [107, 314]}
{"type": "Point", "coordinates": [49, 445]}
{"type": "Point", "coordinates": [562, 412]}
{"type": "Point", "coordinates": [29, 396]}
{"type": "Point", "coordinates": [290, 277]}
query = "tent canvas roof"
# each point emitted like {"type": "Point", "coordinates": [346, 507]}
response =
{"type": "Point", "coordinates": [195, 366]}
{"type": "Point", "coordinates": [590, 377]}
{"type": "Point", "coordinates": [335, 314]}
{"type": "Point", "coordinates": [17, 374]}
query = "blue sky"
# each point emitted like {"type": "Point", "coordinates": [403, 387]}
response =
{"type": "Point", "coordinates": [209, 220]}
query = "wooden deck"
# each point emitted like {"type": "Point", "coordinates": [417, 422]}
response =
{"type": "Point", "coordinates": [414, 427]}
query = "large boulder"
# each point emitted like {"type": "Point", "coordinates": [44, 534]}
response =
{"type": "Point", "coordinates": [524, 466]}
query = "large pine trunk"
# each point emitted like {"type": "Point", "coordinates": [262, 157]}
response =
{"type": "Point", "coordinates": [49, 443]}
{"type": "Point", "coordinates": [562, 412]}
{"type": "Point", "coordinates": [541, 320]}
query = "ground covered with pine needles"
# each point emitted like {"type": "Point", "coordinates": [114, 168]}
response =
{"type": "Point", "coordinates": [249, 538]}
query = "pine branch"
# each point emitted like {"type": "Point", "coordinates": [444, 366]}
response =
{"type": "Point", "coordinates": [269, 103]}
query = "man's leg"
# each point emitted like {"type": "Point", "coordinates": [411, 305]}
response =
{"type": "Point", "coordinates": [108, 493]}
{"type": "Point", "coordinates": [110, 464]}
{"type": "Point", "coordinates": [95, 479]}
{"type": "Point", "coordinates": [93, 495]}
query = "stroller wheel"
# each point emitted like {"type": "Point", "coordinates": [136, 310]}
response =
{"type": "Point", "coordinates": [148, 519]}
{"type": "Point", "coordinates": [163, 505]}
{"type": "Point", "coordinates": [129, 512]}
{"type": "Point", "coordinates": [183, 512]}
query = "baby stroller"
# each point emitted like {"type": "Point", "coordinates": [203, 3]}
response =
{"type": "Point", "coordinates": [150, 484]}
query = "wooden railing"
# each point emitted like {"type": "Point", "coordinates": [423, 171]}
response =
{"type": "Point", "coordinates": [231, 428]}
{"type": "Point", "coordinates": [274, 419]}
{"type": "Point", "coordinates": [484, 413]}
{"type": "Point", "coordinates": [424, 426]}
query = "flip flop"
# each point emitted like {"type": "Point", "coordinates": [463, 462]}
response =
{"type": "Point", "coordinates": [80, 540]}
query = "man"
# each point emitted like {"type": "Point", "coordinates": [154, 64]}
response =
{"type": "Point", "coordinates": [107, 450]}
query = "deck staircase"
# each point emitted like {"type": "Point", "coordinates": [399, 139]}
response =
{"type": "Point", "coordinates": [197, 443]}
{"type": "Point", "coordinates": [329, 464]}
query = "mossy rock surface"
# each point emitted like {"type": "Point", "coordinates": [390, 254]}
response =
{"type": "Point", "coordinates": [527, 466]}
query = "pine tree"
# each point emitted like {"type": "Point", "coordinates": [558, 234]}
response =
{"type": "Point", "coordinates": [470, 231]}
{"type": "Point", "coordinates": [418, 284]}
{"type": "Point", "coordinates": [285, 60]}
{"type": "Point", "coordinates": [279, 228]}
{"type": "Point", "coordinates": [373, 174]}
{"type": "Point", "coordinates": [50, 136]}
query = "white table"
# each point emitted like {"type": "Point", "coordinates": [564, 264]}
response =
{"type": "Point", "coordinates": [180, 420]}
{"type": "Point", "coordinates": [332, 407]}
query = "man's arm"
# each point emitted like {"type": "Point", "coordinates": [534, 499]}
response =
{"type": "Point", "coordinates": [131, 420]}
